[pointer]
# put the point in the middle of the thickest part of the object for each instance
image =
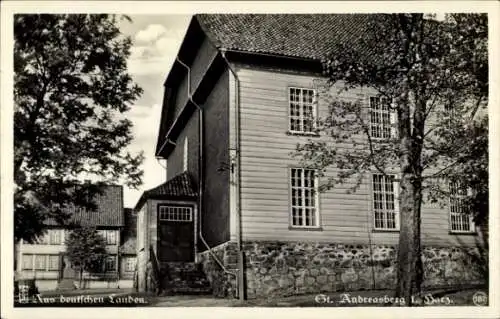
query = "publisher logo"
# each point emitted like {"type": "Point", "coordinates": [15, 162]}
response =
{"type": "Point", "coordinates": [480, 298]}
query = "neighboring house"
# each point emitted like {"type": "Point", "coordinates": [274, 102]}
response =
{"type": "Point", "coordinates": [241, 94]}
{"type": "Point", "coordinates": [128, 249]}
{"type": "Point", "coordinates": [46, 262]}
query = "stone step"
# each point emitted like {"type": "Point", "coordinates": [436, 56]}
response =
{"type": "Point", "coordinates": [184, 278]}
{"type": "Point", "coordinates": [188, 291]}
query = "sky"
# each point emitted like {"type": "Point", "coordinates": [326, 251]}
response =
{"type": "Point", "coordinates": [156, 40]}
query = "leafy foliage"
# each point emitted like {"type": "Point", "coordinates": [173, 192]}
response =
{"type": "Point", "coordinates": [71, 89]}
{"type": "Point", "coordinates": [86, 250]}
{"type": "Point", "coordinates": [431, 78]}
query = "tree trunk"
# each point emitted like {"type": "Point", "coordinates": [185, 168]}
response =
{"type": "Point", "coordinates": [81, 278]}
{"type": "Point", "coordinates": [410, 270]}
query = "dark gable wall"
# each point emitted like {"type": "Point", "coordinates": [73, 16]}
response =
{"type": "Point", "coordinates": [176, 159]}
{"type": "Point", "coordinates": [216, 150]}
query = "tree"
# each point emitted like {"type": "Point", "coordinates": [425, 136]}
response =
{"type": "Point", "coordinates": [71, 89]}
{"type": "Point", "coordinates": [86, 250]}
{"type": "Point", "coordinates": [426, 76]}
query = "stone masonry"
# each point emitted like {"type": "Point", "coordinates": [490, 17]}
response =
{"type": "Point", "coordinates": [288, 268]}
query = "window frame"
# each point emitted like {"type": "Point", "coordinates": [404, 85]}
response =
{"type": "Point", "coordinates": [32, 256]}
{"type": "Point", "coordinates": [317, 214]}
{"type": "Point", "coordinates": [46, 262]}
{"type": "Point", "coordinates": [130, 261]}
{"type": "Point", "coordinates": [381, 111]}
{"type": "Point", "coordinates": [167, 219]}
{"type": "Point", "coordinates": [458, 197]}
{"type": "Point", "coordinates": [107, 234]}
{"type": "Point", "coordinates": [314, 105]}
{"type": "Point", "coordinates": [108, 259]}
{"type": "Point", "coordinates": [395, 192]}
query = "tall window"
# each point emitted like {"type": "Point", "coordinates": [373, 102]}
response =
{"type": "Point", "coordinates": [185, 159]}
{"type": "Point", "coordinates": [302, 106]}
{"type": "Point", "coordinates": [381, 118]}
{"type": "Point", "coordinates": [110, 263]}
{"type": "Point", "coordinates": [304, 195]}
{"type": "Point", "coordinates": [460, 220]}
{"type": "Point", "coordinates": [385, 205]}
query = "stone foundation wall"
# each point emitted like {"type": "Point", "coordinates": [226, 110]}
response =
{"type": "Point", "coordinates": [223, 284]}
{"type": "Point", "coordinates": [288, 268]}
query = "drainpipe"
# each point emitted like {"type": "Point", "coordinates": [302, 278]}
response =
{"type": "Point", "coordinates": [201, 173]}
{"type": "Point", "coordinates": [235, 165]}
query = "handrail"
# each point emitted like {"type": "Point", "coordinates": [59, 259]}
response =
{"type": "Point", "coordinates": [217, 259]}
{"type": "Point", "coordinates": [156, 267]}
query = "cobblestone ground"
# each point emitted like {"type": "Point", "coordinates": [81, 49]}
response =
{"type": "Point", "coordinates": [467, 297]}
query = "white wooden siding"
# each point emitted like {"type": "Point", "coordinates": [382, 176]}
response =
{"type": "Point", "coordinates": [265, 159]}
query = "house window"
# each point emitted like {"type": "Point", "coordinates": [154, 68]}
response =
{"type": "Point", "coordinates": [460, 219]}
{"type": "Point", "coordinates": [130, 264]}
{"type": "Point", "coordinates": [302, 106]}
{"type": "Point", "coordinates": [40, 262]}
{"type": "Point", "coordinates": [385, 204]}
{"type": "Point", "coordinates": [381, 119]}
{"type": "Point", "coordinates": [185, 159]}
{"type": "Point", "coordinates": [111, 263]}
{"type": "Point", "coordinates": [53, 262]}
{"type": "Point", "coordinates": [304, 195]}
{"type": "Point", "coordinates": [175, 213]}
{"type": "Point", "coordinates": [109, 236]}
{"type": "Point", "coordinates": [28, 262]}
{"type": "Point", "coordinates": [55, 236]}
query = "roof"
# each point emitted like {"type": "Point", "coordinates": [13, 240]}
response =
{"type": "Point", "coordinates": [309, 36]}
{"type": "Point", "coordinates": [180, 186]}
{"type": "Point", "coordinates": [108, 212]}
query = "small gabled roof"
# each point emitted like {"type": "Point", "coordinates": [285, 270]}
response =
{"type": "Point", "coordinates": [179, 187]}
{"type": "Point", "coordinates": [308, 36]}
{"type": "Point", "coordinates": [108, 212]}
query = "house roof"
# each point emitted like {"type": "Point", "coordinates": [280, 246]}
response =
{"type": "Point", "coordinates": [108, 212]}
{"type": "Point", "coordinates": [308, 36]}
{"type": "Point", "coordinates": [180, 186]}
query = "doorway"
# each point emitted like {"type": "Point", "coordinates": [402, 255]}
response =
{"type": "Point", "coordinates": [175, 233]}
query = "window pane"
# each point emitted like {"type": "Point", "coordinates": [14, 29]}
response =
{"type": "Point", "coordinates": [384, 202]}
{"type": "Point", "coordinates": [111, 263]}
{"type": "Point", "coordinates": [53, 262]}
{"type": "Point", "coordinates": [303, 197]}
{"type": "Point", "coordinates": [27, 262]}
{"type": "Point", "coordinates": [301, 113]}
{"type": "Point", "coordinates": [40, 262]}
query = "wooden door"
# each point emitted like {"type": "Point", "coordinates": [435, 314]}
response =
{"type": "Point", "coordinates": [175, 234]}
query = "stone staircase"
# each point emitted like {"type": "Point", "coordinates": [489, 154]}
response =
{"type": "Point", "coordinates": [184, 278]}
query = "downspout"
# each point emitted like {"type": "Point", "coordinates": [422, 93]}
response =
{"type": "Point", "coordinates": [235, 168]}
{"type": "Point", "coordinates": [200, 169]}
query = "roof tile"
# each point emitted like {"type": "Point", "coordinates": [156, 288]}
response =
{"type": "Point", "coordinates": [109, 210]}
{"type": "Point", "coordinates": [311, 36]}
{"type": "Point", "coordinates": [180, 186]}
